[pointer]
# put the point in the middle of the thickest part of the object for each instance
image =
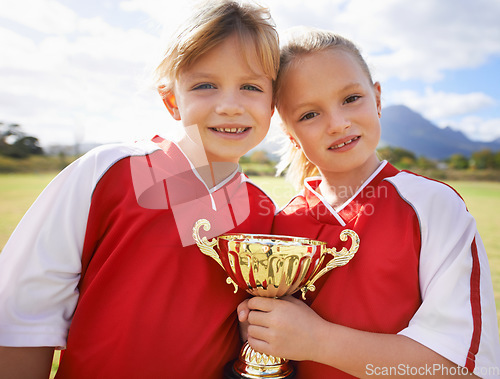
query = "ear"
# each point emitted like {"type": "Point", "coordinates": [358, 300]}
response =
{"type": "Point", "coordinates": [168, 98]}
{"type": "Point", "coordinates": [292, 140]}
{"type": "Point", "coordinates": [378, 95]}
{"type": "Point", "coordinates": [288, 134]}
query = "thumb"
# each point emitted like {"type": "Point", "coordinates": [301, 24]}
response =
{"type": "Point", "coordinates": [243, 310]}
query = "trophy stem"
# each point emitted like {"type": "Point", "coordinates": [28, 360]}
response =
{"type": "Point", "coordinates": [254, 365]}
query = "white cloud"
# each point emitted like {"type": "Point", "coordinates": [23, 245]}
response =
{"type": "Point", "coordinates": [437, 105]}
{"type": "Point", "coordinates": [100, 40]}
{"type": "Point", "coordinates": [46, 16]}
{"type": "Point", "coordinates": [62, 70]}
{"type": "Point", "coordinates": [476, 128]}
{"type": "Point", "coordinates": [16, 49]}
{"type": "Point", "coordinates": [167, 15]}
{"type": "Point", "coordinates": [407, 40]}
{"type": "Point", "coordinates": [91, 74]}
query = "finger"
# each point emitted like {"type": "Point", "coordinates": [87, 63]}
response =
{"type": "Point", "coordinates": [243, 315]}
{"type": "Point", "coordinates": [244, 330]}
{"type": "Point", "coordinates": [292, 299]}
{"type": "Point", "coordinates": [260, 318]}
{"type": "Point", "coordinates": [243, 311]}
{"type": "Point", "coordinates": [258, 332]}
{"type": "Point", "coordinates": [259, 345]}
{"type": "Point", "coordinates": [264, 304]}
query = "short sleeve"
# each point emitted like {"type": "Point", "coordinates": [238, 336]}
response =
{"type": "Point", "coordinates": [457, 318]}
{"type": "Point", "coordinates": [40, 266]}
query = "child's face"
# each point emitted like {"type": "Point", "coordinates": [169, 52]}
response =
{"type": "Point", "coordinates": [228, 97]}
{"type": "Point", "coordinates": [330, 107]}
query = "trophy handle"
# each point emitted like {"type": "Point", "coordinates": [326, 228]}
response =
{"type": "Point", "coordinates": [207, 247]}
{"type": "Point", "coordinates": [340, 258]}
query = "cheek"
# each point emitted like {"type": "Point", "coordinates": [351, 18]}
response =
{"type": "Point", "coordinates": [261, 101]}
{"type": "Point", "coordinates": [262, 107]}
{"type": "Point", "coordinates": [262, 115]}
{"type": "Point", "coordinates": [307, 135]}
{"type": "Point", "coordinates": [265, 108]}
{"type": "Point", "coordinates": [192, 109]}
{"type": "Point", "coordinates": [376, 129]}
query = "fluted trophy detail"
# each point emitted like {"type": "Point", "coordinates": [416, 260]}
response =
{"type": "Point", "coordinates": [270, 266]}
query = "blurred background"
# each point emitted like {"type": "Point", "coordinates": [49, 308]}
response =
{"type": "Point", "coordinates": [78, 72]}
{"type": "Point", "coordinates": [75, 74]}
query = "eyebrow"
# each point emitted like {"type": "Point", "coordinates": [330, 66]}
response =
{"type": "Point", "coordinates": [348, 87]}
{"type": "Point", "coordinates": [206, 75]}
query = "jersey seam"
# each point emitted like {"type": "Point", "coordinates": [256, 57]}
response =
{"type": "Point", "coordinates": [411, 205]}
{"type": "Point", "coordinates": [114, 162]}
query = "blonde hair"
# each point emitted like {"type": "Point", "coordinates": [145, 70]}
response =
{"type": "Point", "coordinates": [212, 23]}
{"type": "Point", "coordinates": [302, 42]}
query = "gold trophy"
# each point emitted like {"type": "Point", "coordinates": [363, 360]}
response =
{"type": "Point", "coordinates": [270, 266]}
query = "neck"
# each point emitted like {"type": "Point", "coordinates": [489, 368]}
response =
{"type": "Point", "coordinates": [212, 173]}
{"type": "Point", "coordinates": [216, 172]}
{"type": "Point", "coordinates": [338, 187]}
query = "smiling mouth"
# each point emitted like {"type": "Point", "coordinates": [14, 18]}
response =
{"type": "Point", "coordinates": [343, 144]}
{"type": "Point", "coordinates": [230, 130]}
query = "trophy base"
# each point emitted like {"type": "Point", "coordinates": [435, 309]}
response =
{"type": "Point", "coordinates": [230, 373]}
{"type": "Point", "coordinates": [254, 365]}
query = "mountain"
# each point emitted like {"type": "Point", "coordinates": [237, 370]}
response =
{"type": "Point", "coordinates": [402, 127]}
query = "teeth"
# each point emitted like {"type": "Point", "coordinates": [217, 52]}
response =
{"type": "Point", "coordinates": [231, 130]}
{"type": "Point", "coordinates": [343, 143]}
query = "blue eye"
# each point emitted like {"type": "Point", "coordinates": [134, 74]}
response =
{"type": "Point", "coordinates": [309, 116]}
{"type": "Point", "coordinates": [249, 87]}
{"type": "Point", "coordinates": [204, 86]}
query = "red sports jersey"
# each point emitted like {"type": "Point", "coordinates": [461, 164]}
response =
{"type": "Point", "coordinates": [111, 233]}
{"type": "Point", "coordinates": [420, 271]}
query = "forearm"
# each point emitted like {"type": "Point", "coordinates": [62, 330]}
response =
{"type": "Point", "coordinates": [365, 354]}
{"type": "Point", "coordinates": [25, 362]}
{"type": "Point", "coordinates": [290, 329]}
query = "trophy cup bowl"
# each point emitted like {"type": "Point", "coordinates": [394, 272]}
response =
{"type": "Point", "coordinates": [270, 266]}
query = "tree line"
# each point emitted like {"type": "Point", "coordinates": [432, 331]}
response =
{"type": "Point", "coordinates": [15, 143]}
{"type": "Point", "coordinates": [482, 159]}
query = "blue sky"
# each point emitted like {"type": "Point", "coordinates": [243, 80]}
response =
{"type": "Point", "coordinates": [77, 71]}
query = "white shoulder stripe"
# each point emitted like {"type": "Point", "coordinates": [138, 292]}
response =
{"type": "Point", "coordinates": [105, 156]}
{"type": "Point", "coordinates": [445, 321]}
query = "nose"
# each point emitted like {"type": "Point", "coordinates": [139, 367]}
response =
{"type": "Point", "coordinates": [229, 104]}
{"type": "Point", "coordinates": [338, 122]}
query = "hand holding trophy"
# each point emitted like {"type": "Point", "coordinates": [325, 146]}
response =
{"type": "Point", "coordinates": [270, 266]}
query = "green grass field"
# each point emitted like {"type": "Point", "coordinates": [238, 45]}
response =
{"type": "Point", "coordinates": [18, 191]}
